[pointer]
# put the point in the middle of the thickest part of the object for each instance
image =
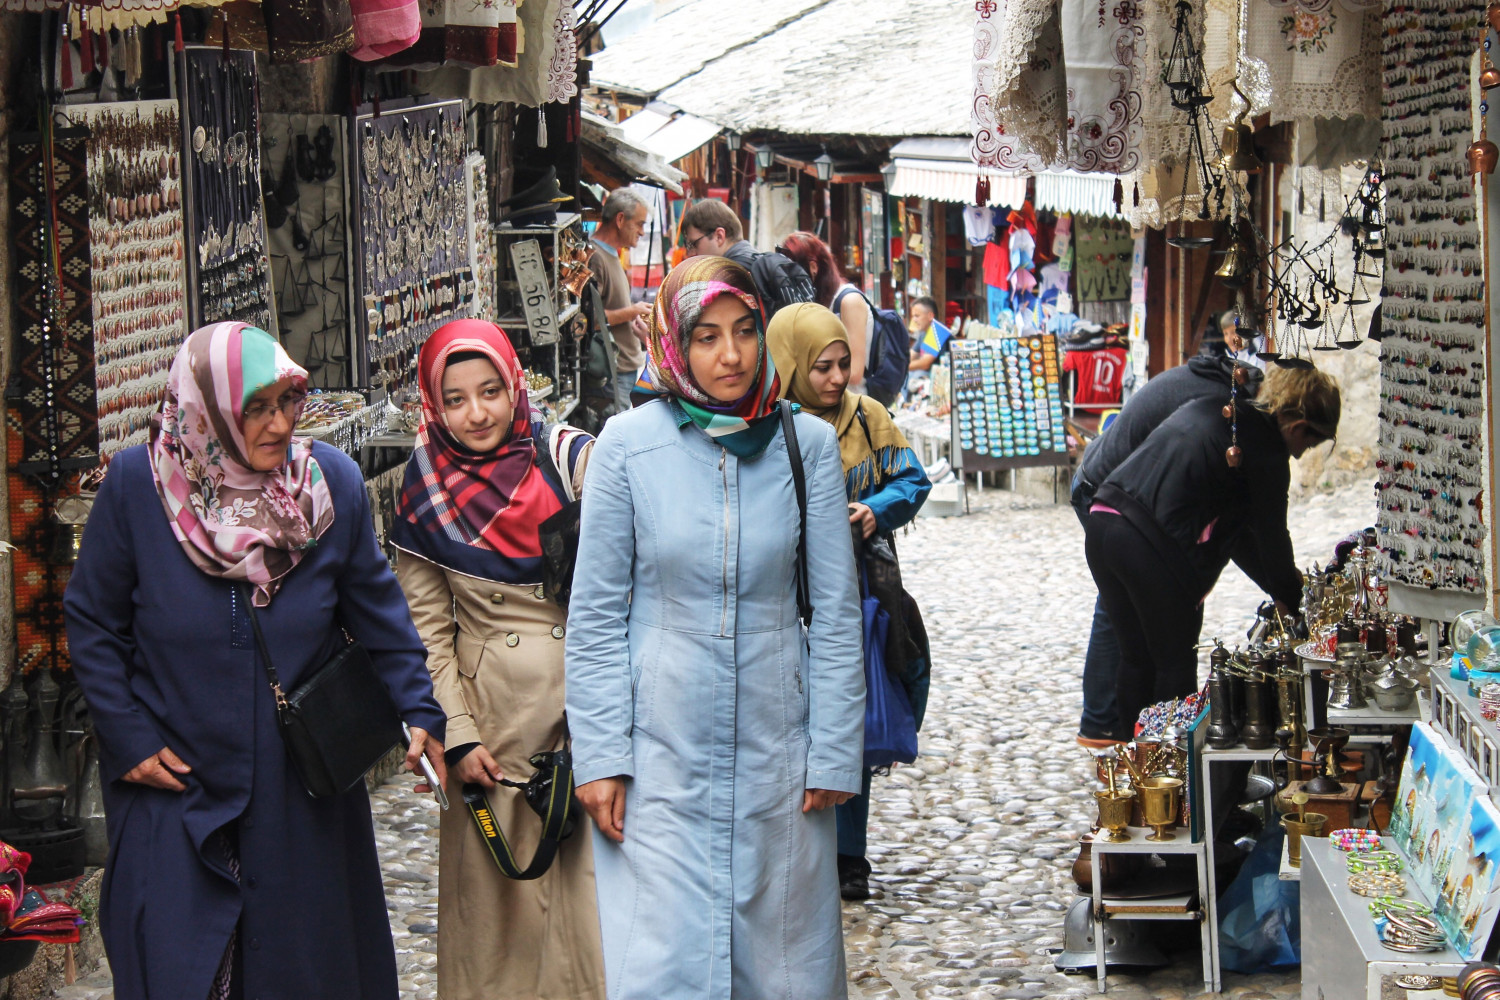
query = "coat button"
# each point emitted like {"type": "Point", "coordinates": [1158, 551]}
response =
{"type": "Point", "coordinates": [558, 632]}
{"type": "Point", "coordinates": [255, 944]}
{"type": "Point", "coordinates": [541, 591]}
{"type": "Point", "coordinates": [251, 881]}
{"type": "Point", "coordinates": [512, 639]}
{"type": "Point", "coordinates": [497, 598]}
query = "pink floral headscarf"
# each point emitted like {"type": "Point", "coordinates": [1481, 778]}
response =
{"type": "Point", "coordinates": [234, 522]}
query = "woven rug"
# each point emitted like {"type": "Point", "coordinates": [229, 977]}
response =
{"type": "Point", "coordinates": [52, 385]}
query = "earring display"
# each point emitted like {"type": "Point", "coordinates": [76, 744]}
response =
{"type": "Point", "coordinates": [51, 393]}
{"type": "Point", "coordinates": [1431, 467]}
{"type": "Point", "coordinates": [1007, 400]}
{"type": "Point", "coordinates": [227, 245]}
{"type": "Point", "coordinates": [302, 161]}
{"type": "Point", "coordinates": [139, 279]}
{"type": "Point", "coordinates": [414, 241]}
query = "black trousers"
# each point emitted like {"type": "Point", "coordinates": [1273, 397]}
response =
{"type": "Point", "coordinates": [1154, 609]}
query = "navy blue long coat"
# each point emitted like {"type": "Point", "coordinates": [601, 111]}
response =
{"type": "Point", "coordinates": [166, 657]}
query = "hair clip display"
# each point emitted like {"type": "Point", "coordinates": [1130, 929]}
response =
{"type": "Point", "coordinates": [1430, 466]}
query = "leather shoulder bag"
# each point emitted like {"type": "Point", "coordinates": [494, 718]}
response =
{"type": "Point", "coordinates": [339, 722]}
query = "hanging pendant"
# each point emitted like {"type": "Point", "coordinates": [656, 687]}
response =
{"type": "Point", "coordinates": [1232, 456]}
{"type": "Point", "coordinates": [1228, 411]}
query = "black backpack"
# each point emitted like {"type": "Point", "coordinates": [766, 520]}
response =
{"type": "Point", "coordinates": [781, 282]}
{"type": "Point", "coordinates": [888, 353]}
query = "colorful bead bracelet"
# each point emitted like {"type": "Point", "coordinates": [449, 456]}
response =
{"type": "Point", "coordinates": [1355, 840]}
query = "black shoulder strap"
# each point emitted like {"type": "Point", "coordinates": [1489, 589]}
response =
{"type": "Point", "coordinates": [246, 593]}
{"type": "Point", "coordinates": [799, 483]}
{"type": "Point", "coordinates": [555, 822]}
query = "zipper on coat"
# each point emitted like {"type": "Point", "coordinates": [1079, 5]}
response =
{"type": "Point", "coordinates": [724, 576]}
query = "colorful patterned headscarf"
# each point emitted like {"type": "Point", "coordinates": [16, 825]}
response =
{"type": "Point", "coordinates": [474, 513]}
{"type": "Point", "coordinates": [234, 522]}
{"type": "Point", "coordinates": [741, 426]}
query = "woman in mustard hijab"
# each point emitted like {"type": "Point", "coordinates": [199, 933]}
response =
{"type": "Point", "coordinates": [883, 480]}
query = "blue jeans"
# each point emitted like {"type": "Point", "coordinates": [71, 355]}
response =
{"type": "Point", "coordinates": [853, 821]}
{"type": "Point", "coordinates": [624, 382]}
{"type": "Point", "coordinates": [1100, 719]}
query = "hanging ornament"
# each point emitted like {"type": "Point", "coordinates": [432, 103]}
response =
{"type": "Point", "coordinates": [1483, 154]}
{"type": "Point", "coordinates": [541, 128]}
{"type": "Point", "coordinates": [1232, 413]}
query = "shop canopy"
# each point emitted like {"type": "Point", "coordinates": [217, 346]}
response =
{"type": "Point", "coordinates": [667, 132]}
{"type": "Point", "coordinates": [939, 168]}
{"type": "Point", "coordinates": [1082, 194]}
{"type": "Point", "coordinates": [620, 158]}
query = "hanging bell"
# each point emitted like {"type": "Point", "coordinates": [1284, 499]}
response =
{"type": "Point", "coordinates": [1482, 156]}
{"type": "Point", "coordinates": [1238, 265]}
{"type": "Point", "coordinates": [1489, 76]}
{"type": "Point", "coordinates": [1239, 149]}
{"type": "Point", "coordinates": [1232, 456]}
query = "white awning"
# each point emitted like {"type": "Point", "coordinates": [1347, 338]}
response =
{"type": "Point", "coordinates": [938, 168]}
{"type": "Point", "coordinates": [957, 183]}
{"type": "Point", "coordinates": [1082, 194]}
{"type": "Point", "coordinates": [630, 155]}
{"type": "Point", "coordinates": [669, 136]}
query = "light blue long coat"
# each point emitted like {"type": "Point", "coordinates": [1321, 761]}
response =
{"type": "Point", "coordinates": [688, 674]}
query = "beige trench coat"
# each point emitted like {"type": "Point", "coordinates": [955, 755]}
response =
{"type": "Point", "coordinates": [499, 676]}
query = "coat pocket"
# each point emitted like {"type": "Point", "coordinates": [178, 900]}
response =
{"type": "Point", "coordinates": [468, 651]}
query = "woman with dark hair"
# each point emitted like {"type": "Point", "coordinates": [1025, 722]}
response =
{"type": "Point", "coordinates": [225, 878]}
{"type": "Point", "coordinates": [483, 477]}
{"type": "Point", "coordinates": [837, 294]}
{"type": "Point", "coordinates": [711, 730]}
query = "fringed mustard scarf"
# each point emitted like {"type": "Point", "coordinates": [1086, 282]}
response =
{"type": "Point", "coordinates": [873, 449]}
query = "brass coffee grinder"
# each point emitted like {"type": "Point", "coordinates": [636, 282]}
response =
{"type": "Point", "coordinates": [1328, 741]}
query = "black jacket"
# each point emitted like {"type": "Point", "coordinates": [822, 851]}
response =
{"type": "Point", "coordinates": [1154, 402]}
{"type": "Point", "coordinates": [1178, 484]}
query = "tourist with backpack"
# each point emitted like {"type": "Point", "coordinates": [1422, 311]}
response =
{"type": "Point", "coordinates": [711, 229]}
{"type": "Point", "coordinates": [877, 337]}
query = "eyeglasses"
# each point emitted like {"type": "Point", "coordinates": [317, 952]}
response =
{"type": "Point", "coordinates": [288, 403]}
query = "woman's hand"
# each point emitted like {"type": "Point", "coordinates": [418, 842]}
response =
{"type": "Point", "coordinates": [160, 770]}
{"type": "Point", "coordinates": [477, 767]}
{"type": "Point", "coordinates": [605, 801]}
{"type": "Point", "coordinates": [822, 798]}
{"type": "Point", "coordinates": [423, 744]}
{"type": "Point", "coordinates": [864, 517]}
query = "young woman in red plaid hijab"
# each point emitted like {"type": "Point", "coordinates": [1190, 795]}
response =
{"type": "Point", "coordinates": [483, 477]}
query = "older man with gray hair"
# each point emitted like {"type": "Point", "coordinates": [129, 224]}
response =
{"type": "Point", "coordinates": [624, 217]}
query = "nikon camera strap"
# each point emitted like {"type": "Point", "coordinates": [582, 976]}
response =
{"type": "Point", "coordinates": [555, 822]}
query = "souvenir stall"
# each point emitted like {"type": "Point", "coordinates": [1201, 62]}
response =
{"type": "Point", "coordinates": [182, 169]}
{"type": "Point", "coordinates": [1367, 751]}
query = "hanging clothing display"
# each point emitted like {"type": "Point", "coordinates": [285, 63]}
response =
{"type": "Point", "coordinates": [299, 30]}
{"type": "Point", "coordinates": [383, 28]}
{"type": "Point", "coordinates": [527, 82]}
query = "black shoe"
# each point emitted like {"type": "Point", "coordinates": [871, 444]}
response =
{"type": "Point", "coordinates": [854, 878]}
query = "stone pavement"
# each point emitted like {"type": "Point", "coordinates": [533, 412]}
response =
{"type": "Point", "coordinates": [972, 844]}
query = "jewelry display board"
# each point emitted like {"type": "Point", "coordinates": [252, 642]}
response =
{"type": "Point", "coordinates": [229, 267]}
{"type": "Point", "coordinates": [411, 202]}
{"type": "Point", "coordinates": [137, 249]}
{"type": "Point", "coordinates": [1007, 402]}
{"type": "Point", "coordinates": [303, 157]}
{"type": "Point", "coordinates": [1430, 471]}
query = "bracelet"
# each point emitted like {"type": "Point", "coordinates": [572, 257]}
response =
{"type": "Point", "coordinates": [1392, 904]}
{"type": "Point", "coordinates": [1377, 883]}
{"type": "Point", "coordinates": [1374, 861]}
{"type": "Point", "coordinates": [1355, 840]}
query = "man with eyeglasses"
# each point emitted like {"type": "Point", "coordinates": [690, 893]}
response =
{"type": "Point", "coordinates": [624, 219]}
{"type": "Point", "coordinates": [711, 229]}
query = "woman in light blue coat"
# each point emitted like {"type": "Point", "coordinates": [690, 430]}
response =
{"type": "Point", "coordinates": [710, 732]}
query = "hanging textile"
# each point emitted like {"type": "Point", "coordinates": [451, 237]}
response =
{"type": "Point", "coordinates": [526, 82]}
{"type": "Point", "coordinates": [1430, 469]}
{"type": "Point", "coordinates": [1313, 58]}
{"type": "Point", "coordinates": [562, 72]}
{"type": "Point", "coordinates": [1062, 83]}
{"type": "Point", "coordinates": [52, 390]}
{"type": "Point", "coordinates": [299, 30]}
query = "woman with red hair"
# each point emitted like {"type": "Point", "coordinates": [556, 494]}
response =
{"type": "Point", "coordinates": [836, 293]}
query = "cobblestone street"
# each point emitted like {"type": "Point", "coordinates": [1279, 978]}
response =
{"type": "Point", "coordinates": [972, 844]}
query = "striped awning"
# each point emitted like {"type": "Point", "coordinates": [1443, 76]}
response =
{"type": "Point", "coordinates": [1081, 194]}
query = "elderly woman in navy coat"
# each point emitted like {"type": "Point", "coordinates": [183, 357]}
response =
{"type": "Point", "coordinates": [225, 879]}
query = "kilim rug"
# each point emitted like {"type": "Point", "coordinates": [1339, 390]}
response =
{"type": "Point", "coordinates": [52, 383]}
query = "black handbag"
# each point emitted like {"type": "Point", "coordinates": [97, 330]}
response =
{"type": "Point", "coordinates": [549, 793]}
{"type": "Point", "coordinates": [338, 723]}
